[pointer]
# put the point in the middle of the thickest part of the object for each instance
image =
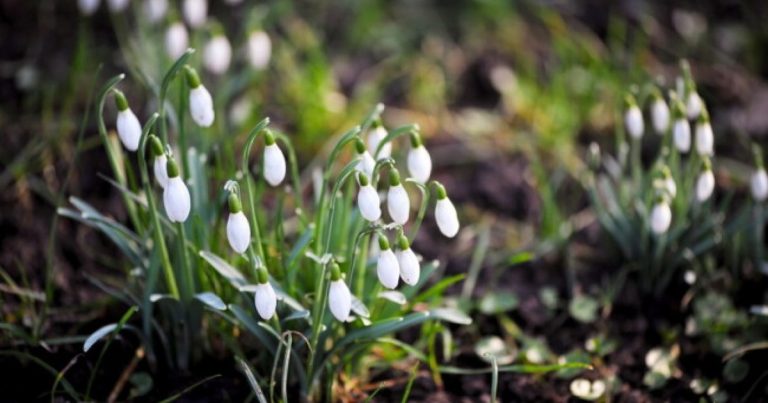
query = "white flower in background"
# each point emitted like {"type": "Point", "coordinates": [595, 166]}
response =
{"type": "Point", "coordinates": [398, 202]}
{"type": "Point", "coordinates": [705, 183]}
{"type": "Point", "coordinates": [265, 298]}
{"type": "Point", "coordinates": [217, 54]}
{"type": "Point", "coordinates": [339, 297]}
{"type": "Point", "coordinates": [155, 9]}
{"type": "Point", "coordinates": [667, 183]}
{"type": "Point", "coordinates": [176, 195]}
{"type": "Point", "coordinates": [693, 105]}
{"type": "Point", "coordinates": [375, 136]}
{"type": "Point", "coordinates": [274, 161]}
{"type": "Point", "coordinates": [128, 126]}
{"type": "Point", "coordinates": [759, 184]}
{"type": "Point", "coordinates": [88, 7]}
{"type": "Point", "coordinates": [633, 119]}
{"type": "Point", "coordinates": [705, 138]}
{"type": "Point", "coordinates": [419, 161]}
{"type": "Point", "coordinates": [410, 269]}
{"type": "Point", "coordinates": [176, 40]}
{"type": "Point", "coordinates": [233, 2]}
{"type": "Point", "coordinates": [195, 12]}
{"type": "Point", "coordinates": [159, 166]}
{"type": "Point", "coordinates": [661, 217]}
{"type": "Point", "coordinates": [368, 200]}
{"type": "Point", "coordinates": [259, 49]}
{"type": "Point", "coordinates": [387, 267]}
{"type": "Point", "coordinates": [117, 6]}
{"type": "Point", "coordinates": [681, 135]}
{"type": "Point", "coordinates": [660, 115]}
{"type": "Point", "coordinates": [445, 214]}
{"type": "Point", "coordinates": [238, 229]}
{"type": "Point", "coordinates": [200, 101]}
{"type": "Point", "coordinates": [367, 164]}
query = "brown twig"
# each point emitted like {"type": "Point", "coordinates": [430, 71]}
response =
{"type": "Point", "coordinates": [125, 375]}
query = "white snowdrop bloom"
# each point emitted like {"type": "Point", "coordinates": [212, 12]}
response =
{"type": "Point", "coordinates": [387, 266]}
{"type": "Point", "coordinates": [274, 162]}
{"type": "Point", "coordinates": [759, 184]}
{"type": "Point", "coordinates": [195, 12]}
{"type": "Point", "coordinates": [128, 126]}
{"type": "Point", "coordinates": [176, 195]}
{"type": "Point", "coordinates": [681, 135]}
{"type": "Point", "coordinates": [88, 7]}
{"type": "Point", "coordinates": [259, 49]}
{"type": "Point", "coordinates": [265, 300]}
{"type": "Point", "coordinates": [375, 136]}
{"type": "Point", "coordinates": [670, 187]}
{"type": "Point", "coordinates": [117, 6]}
{"type": "Point", "coordinates": [176, 40]}
{"type": "Point", "coordinates": [633, 120]}
{"type": "Point", "coordinates": [705, 185]}
{"type": "Point", "coordinates": [694, 105]}
{"type": "Point", "coordinates": [661, 217]}
{"type": "Point", "coordinates": [217, 54]}
{"type": "Point", "coordinates": [445, 214]}
{"type": "Point", "coordinates": [155, 9]}
{"type": "Point", "coordinates": [238, 232]}
{"type": "Point", "coordinates": [368, 200]}
{"type": "Point", "coordinates": [200, 101]}
{"type": "Point", "coordinates": [419, 164]}
{"type": "Point", "coordinates": [410, 269]}
{"type": "Point", "coordinates": [705, 139]}
{"type": "Point", "coordinates": [161, 173]}
{"type": "Point", "coordinates": [660, 116]}
{"type": "Point", "coordinates": [339, 297]}
{"type": "Point", "coordinates": [398, 204]}
{"type": "Point", "coordinates": [366, 165]}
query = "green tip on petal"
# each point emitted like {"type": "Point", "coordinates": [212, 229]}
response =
{"type": "Point", "coordinates": [269, 138]}
{"type": "Point", "coordinates": [376, 123]}
{"type": "Point", "coordinates": [193, 79]}
{"type": "Point", "coordinates": [383, 242]}
{"type": "Point", "coordinates": [440, 190]}
{"type": "Point", "coordinates": [704, 116]}
{"type": "Point", "coordinates": [394, 177]}
{"type": "Point", "coordinates": [707, 163]}
{"type": "Point", "coordinates": [363, 179]}
{"type": "Point", "coordinates": [359, 145]}
{"type": "Point", "coordinates": [262, 275]}
{"type": "Point", "coordinates": [402, 241]}
{"type": "Point", "coordinates": [335, 272]}
{"type": "Point", "coordinates": [155, 146]}
{"type": "Point", "coordinates": [629, 101]}
{"type": "Point", "coordinates": [235, 206]}
{"type": "Point", "coordinates": [120, 100]}
{"type": "Point", "coordinates": [415, 139]}
{"type": "Point", "coordinates": [172, 167]}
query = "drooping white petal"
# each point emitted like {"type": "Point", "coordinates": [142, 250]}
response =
{"type": "Point", "coordinates": [661, 218]}
{"type": "Point", "coordinates": [759, 185]}
{"type": "Point", "coordinates": [259, 49]}
{"type": "Point", "coordinates": [155, 9]}
{"type": "Point", "coordinates": [366, 164]}
{"type": "Point", "coordinates": [88, 7]}
{"type": "Point", "coordinates": [265, 300]}
{"type": "Point", "coordinates": [339, 300]}
{"type": "Point", "coordinates": [274, 164]}
{"type": "Point", "coordinates": [369, 203]}
{"type": "Point", "coordinates": [195, 12]}
{"type": "Point", "coordinates": [705, 185]}
{"type": "Point", "coordinates": [117, 6]}
{"type": "Point", "coordinates": [633, 119]}
{"type": "Point", "coordinates": [238, 232]}
{"type": "Point", "coordinates": [681, 135]}
{"type": "Point", "coordinates": [446, 217]}
{"type": "Point", "coordinates": [398, 204]}
{"type": "Point", "coordinates": [693, 105]}
{"type": "Point", "coordinates": [128, 129]}
{"type": "Point", "coordinates": [201, 106]}
{"type": "Point", "coordinates": [705, 139]}
{"type": "Point", "coordinates": [388, 269]}
{"type": "Point", "coordinates": [671, 187]}
{"type": "Point", "coordinates": [375, 137]}
{"type": "Point", "coordinates": [660, 116]}
{"type": "Point", "coordinates": [160, 169]}
{"type": "Point", "coordinates": [410, 268]}
{"type": "Point", "coordinates": [176, 40]}
{"type": "Point", "coordinates": [217, 55]}
{"type": "Point", "coordinates": [176, 200]}
{"type": "Point", "coordinates": [419, 164]}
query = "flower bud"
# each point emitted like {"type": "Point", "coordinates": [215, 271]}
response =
{"type": "Point", "coordinates": [410, 269]}
{"type": "Point", "coordinates": [398, 202]}
{"type": "Point", "coordinates": [176, 40]}
{"type": "Point", "coordinates": [117, 6]}
{"type": "Point", "coordinates": [238, 228]}
{"type": "Point", "coordinates": [195, 12]}
{"type": "Point", "coordinates": [661, 217]}
{"type": "Point", "coordinates": [200, 101]}
{"type": "Point", "coordinates": [128, 126]}
{"type": "Point", "coordinates": [88, 7]}
{"type": "Point", "coordinates": [339, 297]}
{"type": "Point", "coordinates": [274, 162]}
{"type": "Point", "coordinates": [419, 161]}
{"type": "Point", "coordinates": [368, 200]}
{"type": "Point", "coordinates": [217, 54]}
{"type": "Point", "coordinates": [660, 115]}
{"type": "Point", "coordinates": [705, 138]}
{"type": "Point", "coordinates": [366, 165]}
{"type": "Point", "coordinates": [176, 195]}
{"type": "Point", "coordinates": [759, 184]}
{"type": "Point", "coordinates": [259, 49]}
{"type": "Point", "coordinates": [387, 267]}
{"type": "Point", "coordinates": [265, 298]}
{"type": "Point", "coordinates": [375, 136]}
{"type": "Point", "coordinates": [633, 119]}
{"type": "Point", "coordinates": [681, 135]}
{"type": "Point", "coordinates": [693, 105]}
{"type": "Point", "coordinates": [155, 10]}
{"type": "Point", "coordinates": [445, 214]}
{"type": "Point", "coordinates": [705, 185]}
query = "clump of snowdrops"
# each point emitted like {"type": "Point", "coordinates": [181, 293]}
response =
{"type": "Point", "coordinates": [665, 215]}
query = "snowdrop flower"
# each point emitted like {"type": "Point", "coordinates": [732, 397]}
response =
{"type": "Point", "coordinates": [155, 9]}
{"type": "Point", "coordinates": [176, 40]}
{"type": "Point", "coordinates": [398, 203]}
{"type": "Point", "coordinates": [159, 166]}
{"type": "Point", "coordinates": [387, 266]}
{"type": "Point", "coordinates": [217, 54]}
{"type": "Point", "coordinates": [274, 161]}
{"type": "Point", "coordinates": [366, 164]}
{"type": "Point", "coordinates": [259, 49]}
{"type": "Point", "coordinates": [633, 119]}
{"type": "Point", "coordinates": [88, 7]}
{"type": "Point", "coordinates": [668, 182]}
{"type": "Point", "coordinates": [176, 194]}
{"type": "Point", "coordinates": [200, 101]}
{"type": "Point", "coordinates": [693, 104]}
{"type": "Point", "coordinates": [661, 216]}
{"type": "Point", "coordinates": [410, 269]}
{"type": "Point", "coordinates": [265, 298]}
{"type": "Point", "coordinates": [419, 161]}
{"type": "Point", "coordinates": [681, 135]}
{"type": "Point", "coordinates": [339, 297]}
{"type": "Point", "coordinates": [368, 199]}
{"type": "Point", "coordinates": [117, 6]}
{"type": "Point", "coordinates": [195, 12]}
{"type": "Point", "coordinates": [705, 139]}
{"type": "Point", "coordinates": [659, 114]}
{"type": "Point", "coordinates": [128, 126]}
{"type": "Point", "coordinates": [759, 180]}
{"type": "Point", "coordinates": [445, 214]}
{"type": "Point", "coordinates": [705, 183]}
{"type": "Point", "coordinates": [238, 229]}
{"type": "Point", "coordinates": [375, 136]}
